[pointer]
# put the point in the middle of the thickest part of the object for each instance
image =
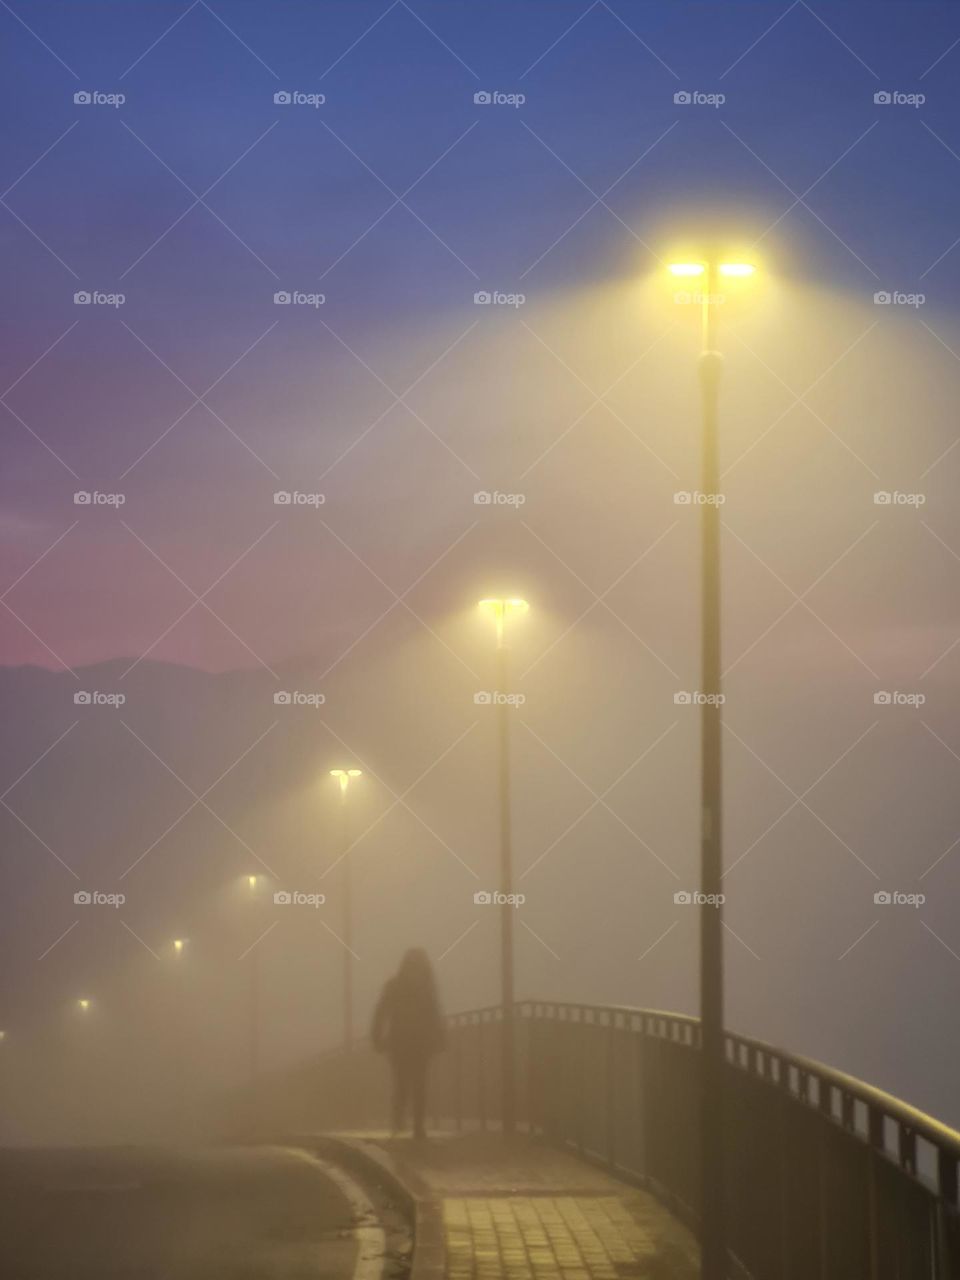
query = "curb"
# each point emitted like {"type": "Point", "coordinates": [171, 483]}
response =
{"type": "Point", "coordinates": [426, 1213]}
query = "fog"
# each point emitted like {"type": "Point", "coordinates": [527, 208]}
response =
{"type": "Point", "coordinates": [200, 779]}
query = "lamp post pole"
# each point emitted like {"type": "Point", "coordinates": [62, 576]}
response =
{"type": "Point", "coordinates": [253, 1012]}
{"type": "Point", "coordinates": [347, 925]}
{"type": "Point", "coordinates": [713, 1063]}
{"type": "Point", "coordinates": [344, 778]}
{"type": "Point", "coordinates": [713, 1245]}
{"type": "Point", "coordinates": [499, 610]}
{"type": "Point", "coordinates": [508, 1065]}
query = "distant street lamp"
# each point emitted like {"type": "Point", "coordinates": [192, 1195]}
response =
{"type": "Point", "coordinates": [500, 610]}
{"type": "Point", "coordinates": [713, 1251]}
{"type": "Point", "coordinates": [178, 1016]}
{"type": "Point", "coordinates": [344, 777]}
{"type": "Point", "coordinates": [253, 1003]}
{"type": "Point", "coordinates": [83, 1004]}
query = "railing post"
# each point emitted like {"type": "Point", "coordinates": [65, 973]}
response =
{"type": "Point", "coordinates": [581, 1079]}
{"type": "Point", "coordinates": [947, 1184]}
{"type": "Point", "coordinates": [875, 1146]}
{"type": "Point", "coordinates": [640, 1072]}
{"type": "Point", "coordinates": [481, 1077]}
{"type": "Point", "coordinates": [611, 1074]}
{"type": "Point", "coordinates": [458, 1077]}
{"type": "Point", "coordinates": [532, 1040]}
{"type": "Point", "coordinates": [822, 1232]}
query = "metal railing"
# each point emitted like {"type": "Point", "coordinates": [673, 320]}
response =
{"type": "Point", "coordinates": [827, 1178]}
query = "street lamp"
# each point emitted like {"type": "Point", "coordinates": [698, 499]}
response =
{"type": "Point", "coordinates": [713, 1250]}
{"type": "Point", "coordinates": [83, 1004]}
{"type": "Point", "coordinates": [253, 1020]}
{"type": "Point", "coordinates": [344, 777]}
{"type": "Point", "coordinates": [500, 610]}
{"type": "Point", "coordinates": [178, 945]}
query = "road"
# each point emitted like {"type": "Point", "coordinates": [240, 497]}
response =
{"type": "Point", "coordinates": [271, 1213]}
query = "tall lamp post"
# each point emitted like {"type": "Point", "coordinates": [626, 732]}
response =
{"type": "Point", "coordinates": [183, 1067]}
{"type": "Point", "coordinates": [499, 610]}
{"type": "Point", "coordinates": [713, 1251]}
{"type": "Point", "coordinates": [343, 777]}
{"type": "Point", "coordinates": [253, 1008]}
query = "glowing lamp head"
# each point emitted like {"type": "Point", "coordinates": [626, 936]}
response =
{"type": "Point", "coordinates": [83, 1004]}
{"type": "Point", "coordinates": [343, 776]}
{"type": "Point", "coordinates": [178, 944]}
{"type": "Point", "coordinates": [500, 609]}
{"type": "Point", "coordinates": [251, 882]}
{"type": "Point", "coordinates": [736, 269]}
{"type": "Point", "coordinates": [687, 268]}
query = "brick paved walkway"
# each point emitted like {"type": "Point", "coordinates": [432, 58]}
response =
{"type": "Point", "coordinates": [490, 1209]}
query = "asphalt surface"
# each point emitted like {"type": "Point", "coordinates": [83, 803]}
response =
{"type": "Point", "coordinates": [135, 1214]}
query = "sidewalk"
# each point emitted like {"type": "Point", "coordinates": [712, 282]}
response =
{"type": "Point", "coordinates": [490, 1209]}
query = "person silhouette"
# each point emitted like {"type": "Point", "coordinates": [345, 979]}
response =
{"type": "Point", "coordinates": [408, 1028]}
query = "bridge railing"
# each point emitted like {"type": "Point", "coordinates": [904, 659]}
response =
{"type": "Point", "coordinates": [827, 1178]}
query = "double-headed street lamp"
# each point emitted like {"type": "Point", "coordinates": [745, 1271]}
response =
{"type": "Point", "coordinates": [344, 778]}
{"type": "Point", "coordinates": [500, 610]}
{"type": "Point", "coordinates": [713, 1252]}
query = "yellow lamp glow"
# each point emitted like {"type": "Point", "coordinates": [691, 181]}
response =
{"type": "Point", "coordinates": [252, 882]}
{"type": "Point", "coordinates": [178, 945]}
{"type": "Point", "coordinates": [736, 269]}
{"type": "Point", "coordinates": [83, 1004]}
{"type": "Point", "coordinates": [499, 609]}
{"type": "Point", "coordinates": [687, 268]}
{"type": "Point", "coordinates": [343, 776]}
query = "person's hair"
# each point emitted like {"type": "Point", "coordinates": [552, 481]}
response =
{"type": "Point", "coordinates": [416, 974]}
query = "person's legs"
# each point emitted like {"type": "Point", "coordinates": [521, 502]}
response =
{"type": "Point", "coordinates": [401, 1090]}
{"type": "Point", "coordinates": [418, 1085]}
